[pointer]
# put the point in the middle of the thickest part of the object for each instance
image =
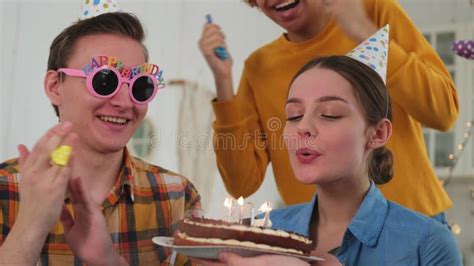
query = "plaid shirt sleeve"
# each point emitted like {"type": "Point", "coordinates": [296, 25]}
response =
{"type": "Point", "coordinates": [192, 199]}
{"type": "Point", "coordinates": [9, 196]}
{"type": "Point", "coordinates": [192, 206]}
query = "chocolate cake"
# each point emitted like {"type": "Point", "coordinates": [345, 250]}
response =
{"type": "Point", "coordinates": [205, 232]}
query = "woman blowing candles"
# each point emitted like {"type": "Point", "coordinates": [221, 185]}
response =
{"type": "Point", "coordinates": [338, 121]}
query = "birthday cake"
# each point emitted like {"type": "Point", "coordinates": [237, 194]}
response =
{"type": "Point", "coordinates": [206, 232]}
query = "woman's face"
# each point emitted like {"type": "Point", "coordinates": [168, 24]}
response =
{"type": "Point", "coordinates": [326, 132]}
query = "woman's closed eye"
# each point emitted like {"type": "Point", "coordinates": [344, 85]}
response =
{"type": "Point", "coordinates": [330, 112]}
{"type": "Point", "coordinates": [294, 118]}
{"type": "Point", "coordinates": [331, 117]}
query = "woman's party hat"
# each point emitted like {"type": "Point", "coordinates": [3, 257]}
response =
{"type": "Point", "coordinates": [374, 52]}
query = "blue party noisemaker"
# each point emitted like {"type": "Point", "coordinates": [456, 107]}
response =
{"type": "Point", "coordinates": [220, 51]}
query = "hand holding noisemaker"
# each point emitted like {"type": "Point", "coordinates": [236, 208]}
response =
{"type": "Point", "coordinates": [220, 51]}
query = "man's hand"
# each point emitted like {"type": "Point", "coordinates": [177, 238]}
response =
{"type": "Point", "coordinates": [42, 187]}
{"type": "Point", "coordinates": [43, 184]}
{"type": "Point", "coordinates": [87, 233]}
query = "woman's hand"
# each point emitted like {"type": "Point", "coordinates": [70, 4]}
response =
{"type": "Point", "coordinates": [329, 260]}
{"type": "Point", "coordinates": [212, 37]}
{"type": "Point", "coordinates": [352, 18]}
{"type": "Point", "coordinates": [236, 260]}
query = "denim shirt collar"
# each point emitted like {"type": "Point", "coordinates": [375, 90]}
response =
{"type": "Point", "coordinates": [366, 225]}
{"type": "Point", "coordinates": [368, 222]}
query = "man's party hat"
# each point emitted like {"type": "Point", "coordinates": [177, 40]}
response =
{"type": "Point", "coordinates": [92, 8]}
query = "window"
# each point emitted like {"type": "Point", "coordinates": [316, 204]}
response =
{"type": "Point", "coordinates": [141, 144]}
{"type": "Point", "coordinates": [471, 167]}
{"type": "Point", "coordinates": [440, 145]}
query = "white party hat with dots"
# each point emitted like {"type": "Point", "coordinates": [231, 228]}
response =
{"type": "Point", "coordinates": [374, 52]}
{"type": "Point", "coordinates": [92, 8]}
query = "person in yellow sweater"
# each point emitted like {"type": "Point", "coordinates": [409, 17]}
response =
{"type": "Point", "coordinates": [249, 125]}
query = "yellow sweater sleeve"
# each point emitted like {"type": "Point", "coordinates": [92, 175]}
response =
{"type": "Point", "coordinates": [239, 142]}
{"type": "Point", "coordinates": [417, 78]}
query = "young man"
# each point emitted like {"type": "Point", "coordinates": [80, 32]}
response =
{"type": "Point", "coordinates": [419, 84]}
{"type": "Point", "coordinates": [109, 204]}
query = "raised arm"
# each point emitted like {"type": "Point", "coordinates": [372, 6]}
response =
{"type": "Point", "coordinates": [238, 140]}
{"type": "Point", "coordinates": [42, 189]}
{"type": "Point", "coordinates": [417, 78]}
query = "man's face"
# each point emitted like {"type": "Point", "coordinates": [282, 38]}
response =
{"type": "Point", "coordinates": [295, 16]}
{"type": "Point", "coordinates": [104, 125]}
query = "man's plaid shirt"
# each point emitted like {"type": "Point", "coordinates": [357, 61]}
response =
{"type": "Point", "coordinates": [146, 201]}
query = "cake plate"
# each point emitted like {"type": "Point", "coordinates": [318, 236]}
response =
{"type": "Point", "coordinates": [212, 252]}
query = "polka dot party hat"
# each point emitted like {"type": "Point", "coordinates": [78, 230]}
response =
{"type": "Point", "coordinates": [464, 48]}
{"type": "Point", "coordinates": [374, 52]}
{"type": "Point", "coordinates": [92, 8]}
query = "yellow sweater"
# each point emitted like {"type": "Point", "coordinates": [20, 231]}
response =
{"type": "Point", "coordinates": [248, 128]}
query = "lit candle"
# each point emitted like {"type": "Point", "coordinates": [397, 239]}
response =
{"type": "Point", "coordinates": [240, 201]}
{"type": "Point", "coordinates": [229, 204]}
{"type": "Point", "coordinates": [252, 215]}
{"type": "Point", "coordinates": [266, 208]}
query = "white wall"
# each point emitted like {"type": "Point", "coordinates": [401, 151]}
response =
{"type": "Point", "coordinates": [429, 13]}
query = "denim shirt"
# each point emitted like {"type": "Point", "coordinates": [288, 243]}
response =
{"type": "Point", "coordinates": [380, 233]}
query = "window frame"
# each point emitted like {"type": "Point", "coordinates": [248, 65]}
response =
{"type": "Point", "coordinates": [463, 70]}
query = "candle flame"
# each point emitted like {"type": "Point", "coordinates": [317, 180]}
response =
{"type": "Point", "coordinates": [266, 207]}
{"type": "Point", "coordinates": [228, 202]}
{"type": "Point", "coordinates": [240, 201]}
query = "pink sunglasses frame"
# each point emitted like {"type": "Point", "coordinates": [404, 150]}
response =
{"type": "Point", "coordinates": [80, 74]}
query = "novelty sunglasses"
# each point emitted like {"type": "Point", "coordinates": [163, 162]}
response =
{"type": "Point", "coordinates": [105, 82]}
